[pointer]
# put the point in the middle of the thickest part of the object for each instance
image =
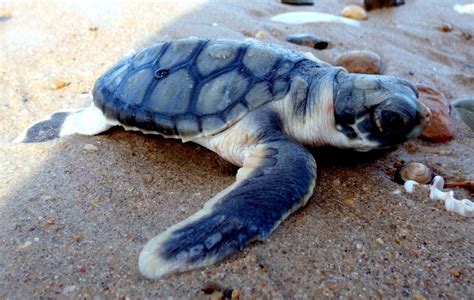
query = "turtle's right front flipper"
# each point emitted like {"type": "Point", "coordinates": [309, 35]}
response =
{"type": "Point", "coordinates": [87, 121]}
{"type": "Point", "coordinates": [277, 177]}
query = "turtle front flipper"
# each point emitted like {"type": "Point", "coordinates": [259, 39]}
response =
{"type": "Point", "coordinates": [86, 121]}
{"type": "Point", "coordinates": [277, 177]}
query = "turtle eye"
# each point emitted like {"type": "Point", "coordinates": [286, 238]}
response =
{"type": "Point", "coordinates": [389, 122]}
{"type": "Point", "coordinates": [393, 117]}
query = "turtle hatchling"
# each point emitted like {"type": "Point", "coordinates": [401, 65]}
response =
{"type": "Point", "coordinates": [258, 106]}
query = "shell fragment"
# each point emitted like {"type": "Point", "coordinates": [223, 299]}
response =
{"type": "Point", "coordinates": [467, 9]}
{"type": "Point", "coordinates": [302, 17]}
{"type": "Point", "coordinates": [409, 186]}
{"type": "Point", "coordinates": [462, 207]}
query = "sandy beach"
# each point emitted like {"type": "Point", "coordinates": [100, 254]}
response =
{"type": "Point", "coordinates": [74, 217]}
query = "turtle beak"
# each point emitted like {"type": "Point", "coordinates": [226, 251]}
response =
{"type": "Point", "coordinates": [424, 114]}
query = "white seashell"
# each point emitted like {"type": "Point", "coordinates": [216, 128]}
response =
{"type": "Point", "coordinates": [415, 171]}
{"type": "Point", "coordinates": [467, 9]}
{"type": "Point", "coordinates": [435, 190]}
{"type": "Point", "coordinates": [302, 17]}
{"type": "Point", "coordinates": [409, 186]}
{"type": "Point", "coordinates": [463, 207]}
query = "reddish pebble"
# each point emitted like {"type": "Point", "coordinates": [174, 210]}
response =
{"type": "Point", "coordinates": [77, 238]}
{"type": "Point", "coordinates": [81, 269]}
{"type": "Point", "coordinates": [440, 128]}
{"type": "Point", "coordinates": [364, 62]}
{"type": "Point", "coordinates": [456, 274]}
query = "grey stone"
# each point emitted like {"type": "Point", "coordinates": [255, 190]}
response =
{"type": "Point", "coordinates": [373, 4]}
{"type": "Point", "coordinates": [308, 40]}
{"type": "Point", "coordinates": [298, 2]}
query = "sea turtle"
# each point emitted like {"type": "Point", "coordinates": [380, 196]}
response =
{"type": "Point", "coordinates": [257, 106]}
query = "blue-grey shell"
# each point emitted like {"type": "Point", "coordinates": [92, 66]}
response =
{"type": "Point", "coordinates": [193, 87]}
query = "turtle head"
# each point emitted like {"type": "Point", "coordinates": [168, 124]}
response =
{"type": "Point", "coordinates": [375, 111]}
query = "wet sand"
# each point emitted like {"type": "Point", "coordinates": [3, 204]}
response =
{"type": "Point", "coordinates": [73, 221]}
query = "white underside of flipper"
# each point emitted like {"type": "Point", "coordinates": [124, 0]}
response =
{"type": "Point", "coordinates": [86, 121]}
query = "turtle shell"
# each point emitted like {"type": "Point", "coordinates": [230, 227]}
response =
{"type": "Point", "coordinates": [193, 87]}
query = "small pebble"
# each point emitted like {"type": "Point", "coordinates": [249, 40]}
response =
{"type": "Point", "coordinates": [372, 4]}
{"type": "Point", "coordinates": [46, 198]}
{"type": "Point", "coordinates": [354, 12]}
{"type": "Point", "coordinates": [81, 269]}
{"type": "Point", "coordinates": [411, 148]}
{"type": "Point", "coordinates": [228, 293]}
{"type": "Point", "coordinates": [59, 84]}
{"type": "Point", "coordinates": [25, 245]}
{"type": "Point", "coordinates": [359, 246]}
{"type": "Point", "coordinates": [94, 28]}
{"type": "Point", "coordinates": [456, 274]}
{"type": "Point", "coordinates": [247, 33]}
{"type": "Point", "coordinates": [68, 289]}
{"type": "Point", "coordinates": [440, 128]}
{"type": "Point", "coordinates": [308, 40]}
{"type": "Point", "coordinates": [298, 2]}
{"type": "Point", "coordinates": [216, 296]}
{"type": "Point", "coordinates": [90, 147]}
{"type": "Point", "coordinates": [260, 35]}
{"type": "Point", "coordinates": [364, 62]}
{"type": "Point", "coordinates": [446, 28]}
{"type": "Point", "coordinates": [349, 201]}
{"type": "Point", "coordinates": [148, 178]}
{"type": "Point", "coordinates": [467, 35]}
{"type": "Point", "coordinates": [77, 238]}
{"type": "Point", "coordinates": [235, 294]}
{"type": "Point", "coordinates": [379, 241]}
{"type": "Point", "coordinates": [36, 239]}
{"type": "Point", "coordinates": [214, 24]}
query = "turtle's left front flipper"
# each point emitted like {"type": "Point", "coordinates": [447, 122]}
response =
{"type": "Point", "coordinates": [277, 177]}
{"type": "Point", "coordinates": [87, 121]}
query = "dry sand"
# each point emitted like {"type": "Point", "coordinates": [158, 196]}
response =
{"type": "Point", "coordinates": [72, 221]}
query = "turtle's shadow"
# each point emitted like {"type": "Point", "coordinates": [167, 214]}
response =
{"type": "Point", "coordinates": [342, 158]}
{"type": "Point", "coordinates": [118, 195]}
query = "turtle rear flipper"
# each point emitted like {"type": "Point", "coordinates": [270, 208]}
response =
{"type": "Point", "coordinates": [277, 177]}
{"type": "Point", "coordinates": [87, 121]}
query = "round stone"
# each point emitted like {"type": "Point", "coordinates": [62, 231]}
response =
{"type": "Point", "coordinates": [440, 128]}
{"type": "Point", "coordinates": [364, 62]}
{"type": "Point", "coordinates": [354, 12]}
